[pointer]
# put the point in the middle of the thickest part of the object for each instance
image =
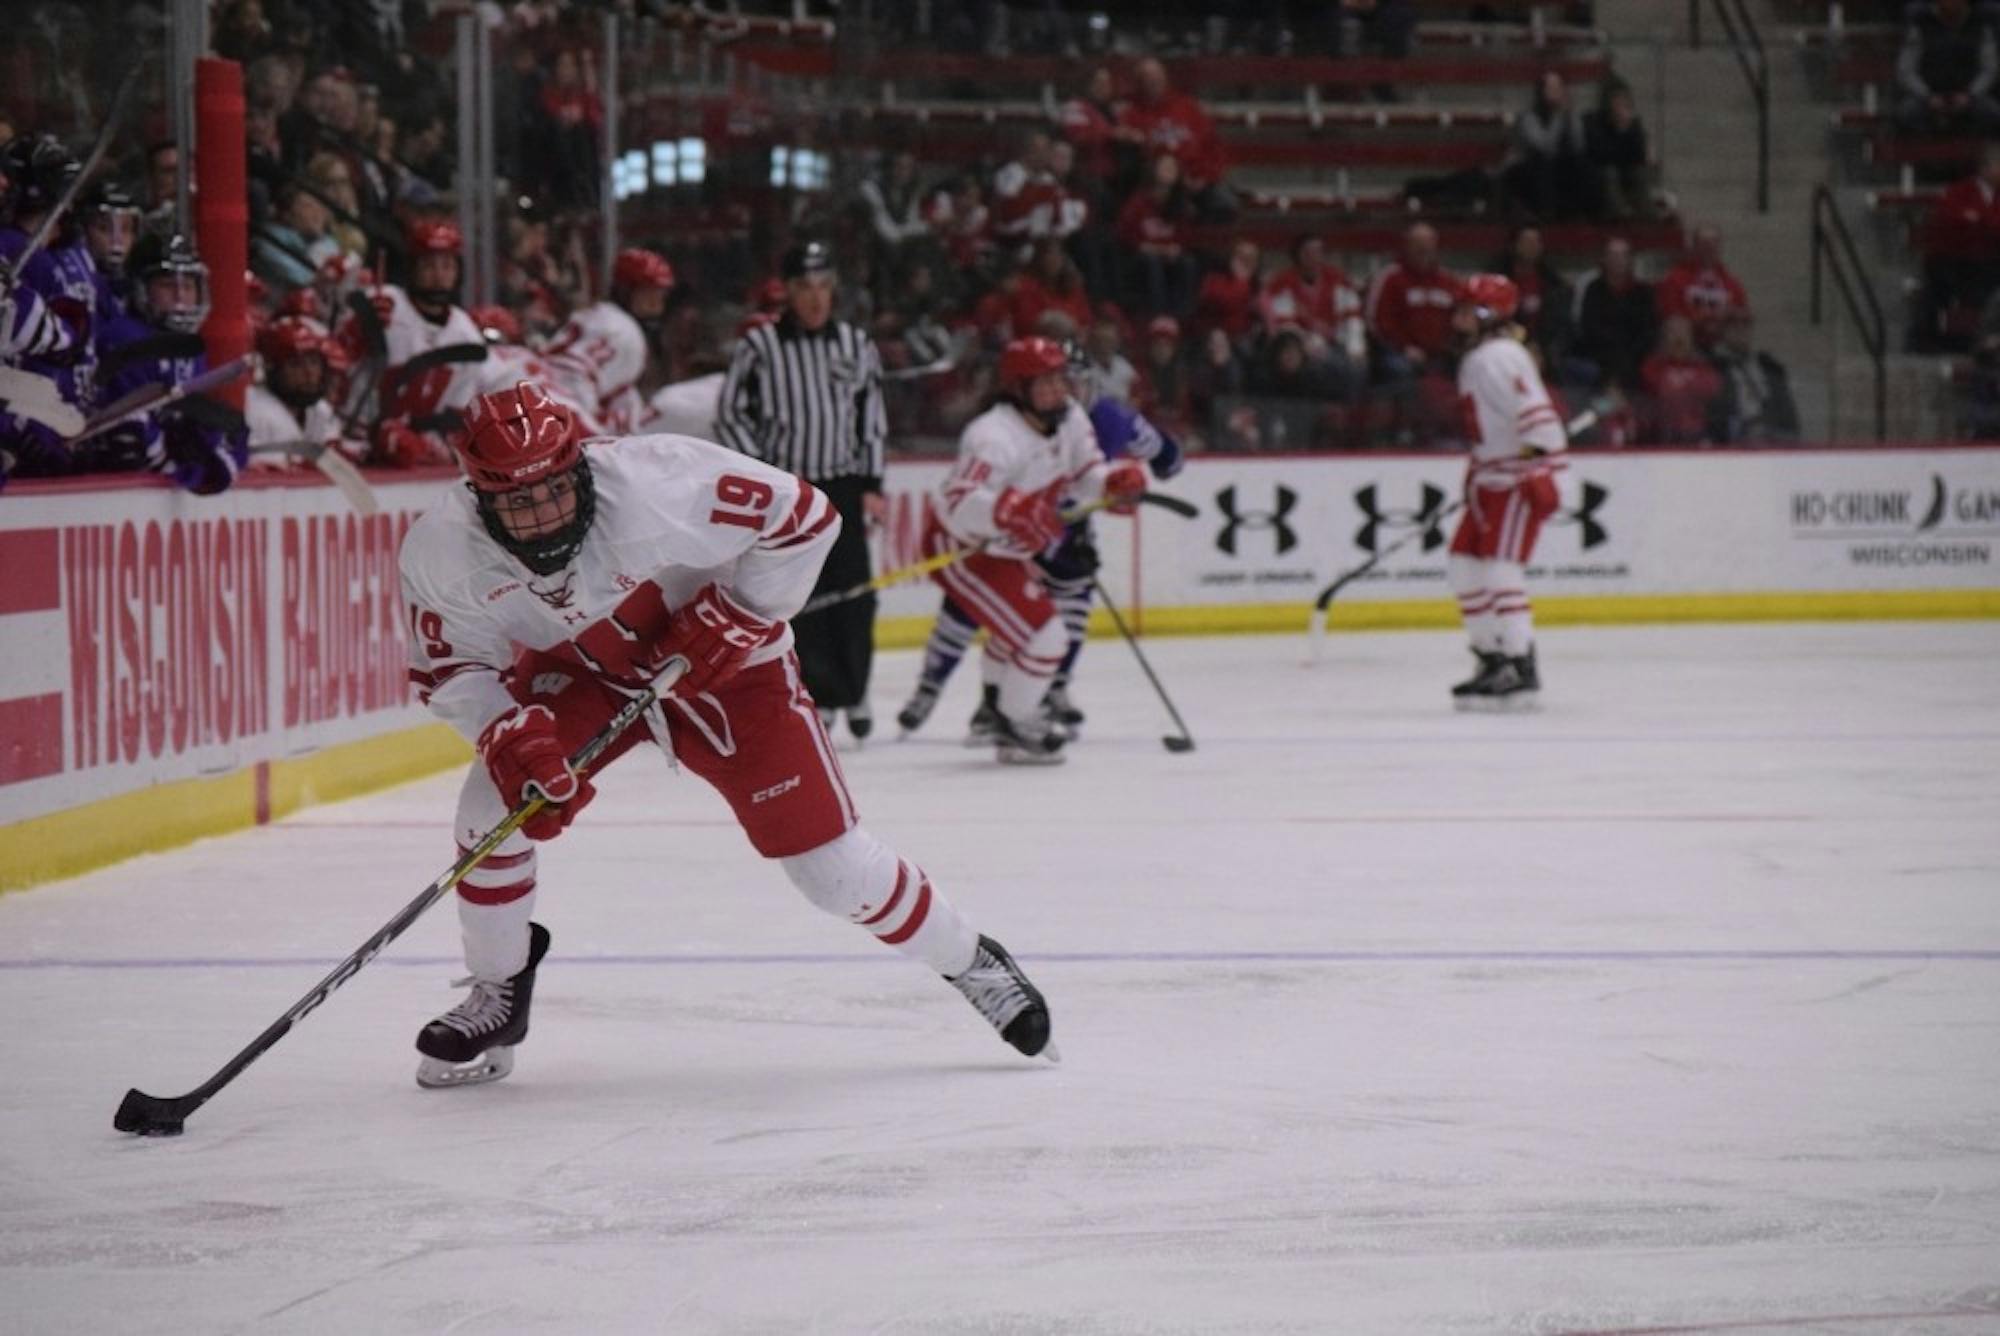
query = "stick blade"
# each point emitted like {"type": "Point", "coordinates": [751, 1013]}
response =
{"type": "Point", "coordinates": [150, 1116]}
{"type": "Point", "coordinates": [1178, 745]}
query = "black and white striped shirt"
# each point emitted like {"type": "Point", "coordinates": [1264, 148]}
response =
{"type": "Point", "coordinates": [811, 404]}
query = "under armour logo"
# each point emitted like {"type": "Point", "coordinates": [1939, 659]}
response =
{"type": "Point", "coordinates": [1375, 518]}
{"type": "Point", "coordinates": [1585, 515]}
{"type": "Point", "coordinates": [1225, 501]}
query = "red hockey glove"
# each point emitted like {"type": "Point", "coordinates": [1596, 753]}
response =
{"type": "Point", "coordinates": [1029, 518]}
{"type": "Point", "coordinates": [525, 758]}
{"type": "Point", "coordinates": [1124, 484]}
{"type": "Point", "coordinates": [715, 634]}
{"type": "Point", "coordinates": [400, 445]}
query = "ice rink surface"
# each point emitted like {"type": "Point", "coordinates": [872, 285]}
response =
{"type": "Point", "coordinates": [1675, 1007]}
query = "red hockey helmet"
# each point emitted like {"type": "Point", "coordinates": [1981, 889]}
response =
{"type": "Point", "coordinates": [1493, 296]}
{"type": "Point", "coordinates": [434, 236]}
{"type": "Point", "coordinates": [497, 322]}
{"type": "Point", "coordinates": [636, 268]}
{"type": "Point", "coordinates": [1025, 360]}
{"type": "Point", "coordinates": [297, 355]}
{"type": "Point", "coordinates": [523, 458]}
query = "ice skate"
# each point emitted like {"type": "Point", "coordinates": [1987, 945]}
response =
{"type": "Point", "coordinates": [1476, 692]}
{"type": "Point", "coordinates": [860, 721]}
{"type": "Point", "coordinates": [984, 729]}
{"type": "Point", "coordinates": [999, 991]}
{"type": "Point", "coordinates": [1062, 711]}
{"type": "Point", "coordinates": [473, 1043]}
{"type": "Point", "coordinates": [1520, 687]}
{"type": "Point", "coordinates": [917, 708]}
{"type": "Point", "coordinates": [1036, 742]}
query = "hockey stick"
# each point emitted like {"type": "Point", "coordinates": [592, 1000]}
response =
{"type": "Point", "coordinates": [375, 356]}
{"type": "Point", "coordinates": [1171, 504]}
{"type": "Point", "coordinates": [337, 467]}
{"type": "Point", "coordinates": [161, 347]}
{"type": "Point", "coordinates": [11, 270]}
{"type": "Point", "coordinates": [150, 397]}
{"type": "Point", "coordinates": [949, 362]}
{"type": "Point", "coordinates": [1176, 743]}
{"type": "Point", "coordinates": [1316, 627]}
{"type": "Point", "coordinates": [916, 570]}
{"type": "Point", "coordinates": [152, 1116]}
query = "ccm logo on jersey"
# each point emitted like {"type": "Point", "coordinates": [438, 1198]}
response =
{"type": "Point", "coordinates": [778, 790]}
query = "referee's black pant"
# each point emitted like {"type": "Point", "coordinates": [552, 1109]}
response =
{"type": "Point", "coordinates": [837, 645]}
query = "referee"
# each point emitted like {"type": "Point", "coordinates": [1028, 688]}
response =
{"type": "Point", "coordinates": [804, 393]}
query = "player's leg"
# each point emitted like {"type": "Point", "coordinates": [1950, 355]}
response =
{"type": "Point", "coordinates": [760, 743]}
{"type": "Point", "coordinates": [1068, 573]}
{"type": "Point", "coordinates": [951, 636]}
{"type": "Point", "coordinates": [1468, 567]}
{"type": "Point", "coordinates": [1025, 646]}
{"type": "Point", "coordinates": [474, 1041]}
{"type": "Point", "coordinates": [1528, 505]}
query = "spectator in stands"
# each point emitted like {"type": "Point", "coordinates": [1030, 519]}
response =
{"type": "Point", "coordinates": [163, 165]}
{"type": "Point", "coordinates": [1215, 378]}
{"type": "Point", "coordinates": [1548, 173]}
{"type": "Point", "coordinates": [1026, 197]}
{"type": "Point", "coordinates": [1051, 283]}
{"type": "Point", "coordinates": [1681, 391]}
{"type": "Point", "coordinates": [1617, 324]}
{"type": "Point", "coordinates": [1409, 310]}
{"type": "Point", "coordinates": [1166, 123]}
{"type": "Point", "coordinates": [1090, 122]}
{"type": "Point", "coordinates": [1615, 142]}
{"type": "Point", "coordinates": [570, 131]}
{"type": "Point", "coordinates": [1228, 297]}
{"type": "Point", "coordinates": [1292, 391]}
{"type": "Point", "coordinates": [1983, 411]}
{"type": "Point", "coordinates": [1961, 251]}
{"type": "Point", "coordinates": [1756, 404]}
{"type": "Point", "coordinates": [1164, 374]}
{"type": "Point", "coordinates": [330, 177]}
{"type": "Point", "coordinates": [288, 250]}
{"type": "Point", "coordinates": [1947, 69]}
{"type": "Point", "coordinates": [1701, 287]}
{"type": "Point", "coordinates": [1315, 298]}
{"type": "Point", "coordinates": [958, 214]}
{"type": "Point", "coordinates": [1088, 220]}
{"type": "Point", "coordinates": [1154, 225]}
{"type": "Point", "coordinates": [1546, 304]}
{"type": "Point", "coordinates": [894, 199]}
{"type": "Point", "coordinates": [1115, 376]}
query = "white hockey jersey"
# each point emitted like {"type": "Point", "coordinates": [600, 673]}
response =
{"type": "Point", "coordinates": [508, 364]}
{"type": "Point", "coordinates": [687, 407]}
{"type": "Point", "coordinates": [407, 334]}
{"type": "Point", "coordinates": [671, 510]}
{"type": "Point", "coordinates": [603, 346]}
{"type": "Point", "coordinates": [999, 450]}
{"type": "Point", "coordinates": [271, 422]}
{"type": "Point", "coordinates": [1506, 409]}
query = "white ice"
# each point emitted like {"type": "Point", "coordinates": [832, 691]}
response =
{"type": "Point", "coordinates": [1673, 1007]}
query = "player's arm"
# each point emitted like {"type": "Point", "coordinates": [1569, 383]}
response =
{"type": "Point", "coordinates": [1119, 482]}
{"type": "Point", "coordinates": [1537, 425]}
{"type": "Point", "coordinates": [456, 659]}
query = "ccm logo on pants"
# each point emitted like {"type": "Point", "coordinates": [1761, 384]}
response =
{"type": "Point", "coordinates": [778, 790]}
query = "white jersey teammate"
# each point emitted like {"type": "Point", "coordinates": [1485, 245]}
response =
{"type": "Point", "coordinates": [606, 343]}
{"type": "Point", "coordinates": [561, 579]}
{"type": "Point", "coordinates": [1518, 449]}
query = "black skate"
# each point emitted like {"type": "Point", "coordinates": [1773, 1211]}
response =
{"type": "Point", "coordinates": [860, 721]}
{"type": "Point", "coordinates": [473, 1043]}
{"type": "Point", "coordinates": [1031, 742]}
{"type": "Point", "coordinates": [917, 708]}
{"type": "Point", "coordinates": [1476, 692]}
{"type": "Point", "coordinates": [1061, 710]}
{"type": "Point", "coordinates": [1525, 690]}
{"type": "Point", "coordinates": [986, 723]}
{"type": "Point", "coordinates": [997, 990]}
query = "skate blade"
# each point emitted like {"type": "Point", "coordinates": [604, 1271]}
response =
{"type": "Point", "coordinates": [1031, 758]}
{"type": "Point", "coordinates": [1522, 702]}
{"type": "Point", "coordinates": [437, 1074]}
{"type": "Point", "coordinates": [1051, 1052]}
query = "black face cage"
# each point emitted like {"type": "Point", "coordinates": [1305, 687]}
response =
{"type": "Point", "coordinates": [551, 551]}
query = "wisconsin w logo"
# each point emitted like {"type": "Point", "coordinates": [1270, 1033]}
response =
{"type": "Point", "coordinates": [1376, 518]}
{"type": "Point", "coordinates": [1274, 519]}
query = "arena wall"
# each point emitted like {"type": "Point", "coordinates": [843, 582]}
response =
{"type": "Point", "coordinates": [175, 666]}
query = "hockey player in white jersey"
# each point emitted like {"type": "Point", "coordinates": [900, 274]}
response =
{"type": "Point", "coordinates": [1017, 461]}
{"type": "Point", "coordinates": [562, 577]}
{"type": "Point", "coordinates": [419, 318]}
{"type": "Point", "coordinates": [607, 342]}
{"type": "Point", "coordinates": [290, 406]}
{"type": "Point", "coordinates": [509, 361]}
{"type": "Point", "coordinates": [1518, 448]}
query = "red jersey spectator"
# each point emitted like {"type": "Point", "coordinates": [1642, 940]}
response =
{"type": "Point", "coordinates": [1091, 123]}
{"type": "Point", "coordinates": [1027, 199]}
{"type": "Point", "coordinates": [1316, 299]}
{"type": "Point", "coordinates": [1682, 389]}
{"type": "Point", "coordinates": [1701, 288]}
{"type": "Point", "coordinates": [1163, 376]}
{"type": "Point", "coordinates": [1228, 299]}
{"type": "Point", "coordinates": [1965, 222]}
{"type": "Point", "coordinates": [1168, 122]}
{"type": "Point", "coordinates": [1052, 283]}
{"type": "Point", "coordinates": [1411, 301]}
{"type": "Point", "coordinates": [1154, 223]}
{"type": "Point", "coordinates": [959, 217]}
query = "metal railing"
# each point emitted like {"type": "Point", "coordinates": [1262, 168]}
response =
{"type": "Point", "coordinates": [1833, 251]}
{"type": "Point", "coordinates": [1748, 44]}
